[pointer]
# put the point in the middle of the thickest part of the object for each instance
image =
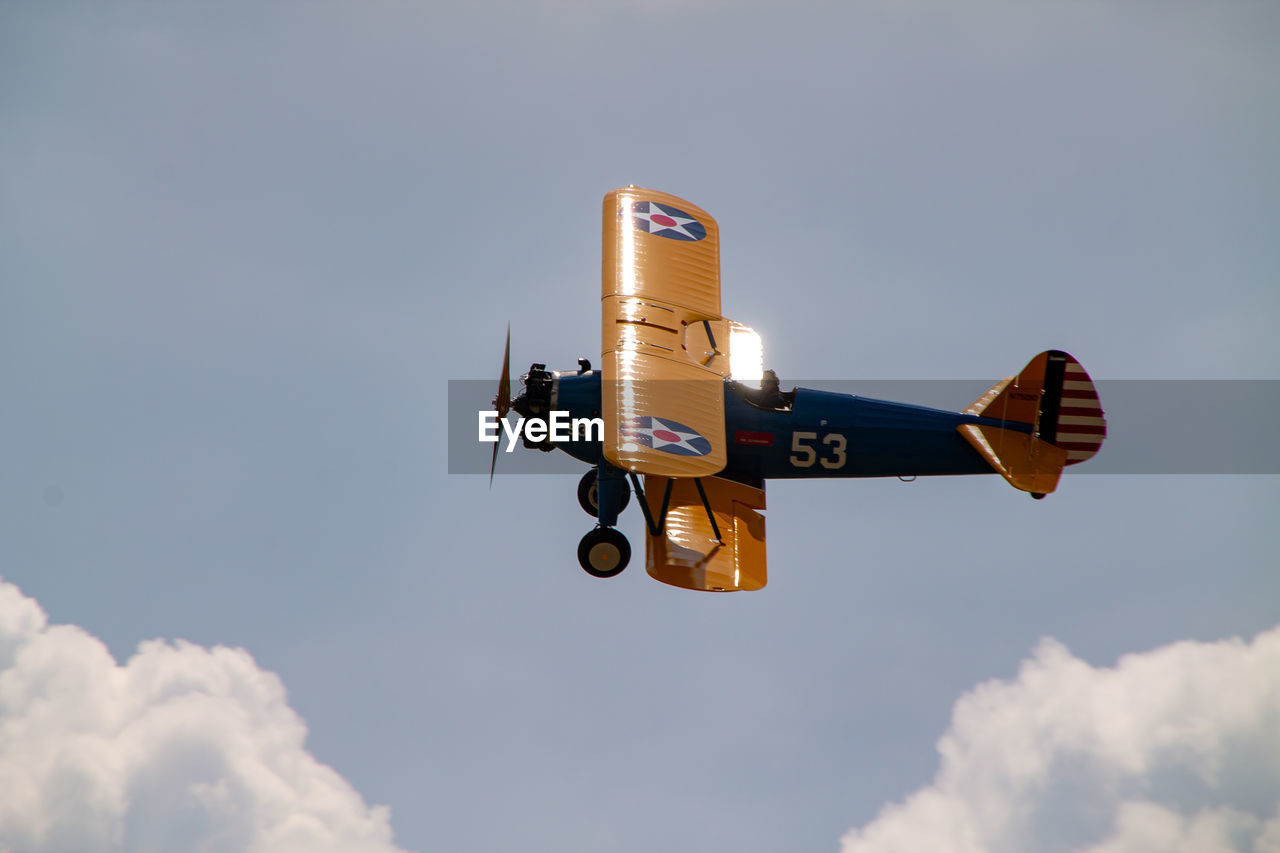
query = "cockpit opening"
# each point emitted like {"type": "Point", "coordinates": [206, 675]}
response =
{"type": "Point", "coordinates": [768, 396]}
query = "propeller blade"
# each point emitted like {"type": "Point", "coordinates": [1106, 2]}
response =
{"type": "Point", "coordinates": [502, 402]}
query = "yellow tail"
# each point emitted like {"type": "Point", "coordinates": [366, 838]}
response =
{"type": "Point", "coordinates": [1054, 397]}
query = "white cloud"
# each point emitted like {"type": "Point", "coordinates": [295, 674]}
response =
{"type": "Point", "coordinates": [1176, 749]}
{"type": "Point", "coordinates": [180, 748]}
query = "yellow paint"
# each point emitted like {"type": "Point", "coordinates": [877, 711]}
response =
{"type": "Point", "coordinates": [688, 555]}
{"type": "Point", "coordinates": [1025, 461]}
{"type": "Point", "coordinates": [656, 357]}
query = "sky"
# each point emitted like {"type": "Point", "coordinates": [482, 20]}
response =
{"type": "Point", "coordinates": [244, 247]}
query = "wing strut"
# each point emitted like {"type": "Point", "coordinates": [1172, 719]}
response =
{"type": "Point", "coordinates": [656, 529]}
{"type": "Point", "coordinates": [706, 504]}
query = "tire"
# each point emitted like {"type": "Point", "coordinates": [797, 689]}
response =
{"type": "Point", "coordinates": [604, 552]}
{"type": "Point", "coordinates": [587, 490]}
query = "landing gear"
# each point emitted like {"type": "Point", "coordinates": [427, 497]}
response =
{"type": "Point", "coordinates": [604, 552]}
{"type": "Point", "coordinates": [603, 492]}
{"type": "Point", "coordinates": [588, 494]}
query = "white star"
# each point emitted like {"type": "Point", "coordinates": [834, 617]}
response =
{"type": "Point", "coordinates": [666, 216]}
{"type": "Point", "coordinates": [685, 437]}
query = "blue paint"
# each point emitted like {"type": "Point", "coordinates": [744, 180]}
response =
{"type": "Point", "coordinates": [854, 436]}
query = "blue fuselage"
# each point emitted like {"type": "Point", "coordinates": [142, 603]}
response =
{"type": "Point", "coordinates": [820, 434]}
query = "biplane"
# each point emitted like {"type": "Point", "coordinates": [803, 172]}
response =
{"type": "Point", "coordinates": [687, 408]}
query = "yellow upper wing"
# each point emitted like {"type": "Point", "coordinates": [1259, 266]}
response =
{"type": "Point", "coordinates": [669, 250]}
{"type": "Point", "coordinates": [664, 344]}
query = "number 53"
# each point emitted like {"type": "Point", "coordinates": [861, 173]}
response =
{"type": "Point", "coordinates": [803, 453]}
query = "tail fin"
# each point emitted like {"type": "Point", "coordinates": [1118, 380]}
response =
{"type": "Point", "coordinates": [1055, 398]}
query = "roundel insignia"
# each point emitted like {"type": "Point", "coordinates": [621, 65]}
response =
{"type": "Point", "coordinates": [666, 221]}
{"type": "Point", "coordinates": [667, 436]}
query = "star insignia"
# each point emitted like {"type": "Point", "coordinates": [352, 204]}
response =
{"type": "Point", "coordinates": [666, 221]}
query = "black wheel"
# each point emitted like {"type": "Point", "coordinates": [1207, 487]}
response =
{"type": "Point", "coordinates": [588, 490]}
{"type": "Point", "coordinates": [604, 552]}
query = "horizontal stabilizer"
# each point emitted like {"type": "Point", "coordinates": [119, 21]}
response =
{"type": "Point", "coordinates": [1025, 461]}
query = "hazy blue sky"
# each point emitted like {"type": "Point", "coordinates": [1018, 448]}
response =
{"type": "Point", "coordinates": [243, 247]}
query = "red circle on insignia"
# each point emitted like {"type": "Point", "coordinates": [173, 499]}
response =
{"type": "Point", "coordinates": [665, 435]}
{"type": "Point", "coordinates": [663, 220]}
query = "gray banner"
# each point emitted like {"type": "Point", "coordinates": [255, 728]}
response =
{"type": "Point", "coordinates": [1154, 426]}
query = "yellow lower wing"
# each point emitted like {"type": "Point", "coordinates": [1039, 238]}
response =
{"type": "Point", "coordinates": [687, 553]}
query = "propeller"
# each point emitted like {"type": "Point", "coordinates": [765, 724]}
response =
{"type": "Point", "coordinates": [502, 402]}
